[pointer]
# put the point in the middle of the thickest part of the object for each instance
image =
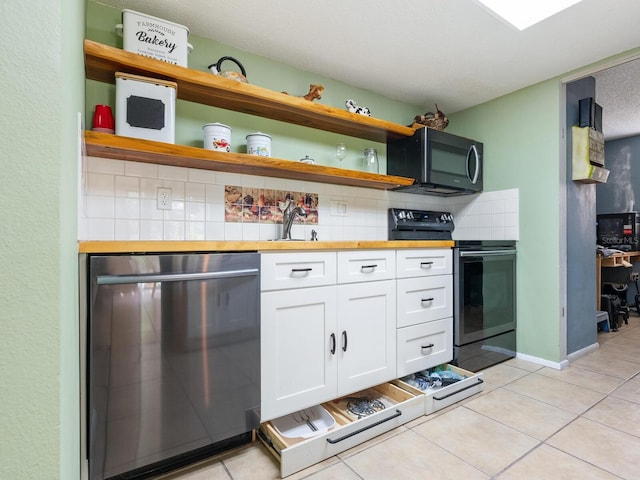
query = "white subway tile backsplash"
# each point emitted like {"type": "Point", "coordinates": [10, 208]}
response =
{"type": "Point", "coordinates": [127, 208]}
{"type": "Point", "coordinates": [149, 210]}
{"type": "Point", "coordinates": [233, 231]}
{"type": "Point", "coordinates": [100, 184]}
{"type": "Point", "coordinates": [149, 187]}
{"type": "Point", "coordinates": [120, 203]}
{"type": "Point", "coordinates": [151, 229]}
{"type": "Point", "coordinates": [139, 169]}
{"type": "Point", "coordinates": [169, 172]}
{"type": "Point", "coordinates": [214, 231]}
{"type": "Point", "coordinates": [194, 192]}
{"type": "Point", "coordinates": [127, 186]}
{"type": "Point", "coordinates": [177, 212]}
{"type": "Point", "coordinates": [214, 212]}
{"type": "Point", "coordinates": [195, 212]}
{"type": "Point", "coordinates": [100, 228]}
{"type": "Point", "coordinates": [127, 229]}
{"type": "Point", "coordinates": [100, 206]}
{"type": "Point", "coordinates": [173, 230]}
{"type": "Point", "coordinates": [195, 231]}
{"type": "Point", "coordinates": [215, 193]}
{"type": "Point", "coordinates": [195, 175]}
{"type": "Point", "coordinates": [104, 165]}
{"type": "Point", "coordinates": [177, 189]}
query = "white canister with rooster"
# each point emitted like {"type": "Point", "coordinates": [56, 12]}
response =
{"type": "Point", "coordinates": [217, 136]}
{"type": "Point", "coordinates": [259, 144]}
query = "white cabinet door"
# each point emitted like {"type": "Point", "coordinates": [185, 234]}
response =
{"type": "Point", "coordinates": [298, 335]}
{"type": "Point", "coordinates": [366, 335]}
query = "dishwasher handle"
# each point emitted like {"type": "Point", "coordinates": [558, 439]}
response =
{"type": "Point", "coordinates": [174, 277]}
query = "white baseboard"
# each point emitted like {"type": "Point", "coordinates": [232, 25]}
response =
{"type": "Point", "coordinates": [542, 361]}
{"type": "Point", "coordinates": [582, 352]}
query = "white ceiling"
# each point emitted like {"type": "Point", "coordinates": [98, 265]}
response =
{"type": "Point", "coordinates": [450, 52]}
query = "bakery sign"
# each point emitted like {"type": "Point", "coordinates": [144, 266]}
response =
{"type": "Point", "coordinates": [154, 37]}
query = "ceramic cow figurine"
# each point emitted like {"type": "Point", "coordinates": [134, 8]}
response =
{"type": "Point", "coordinates": [353, 108]}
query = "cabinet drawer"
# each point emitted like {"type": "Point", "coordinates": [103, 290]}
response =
{"type": "Point", "coordinates": [366, 266]}
{"type": "Point", "coordinates": [437, 399]}
{"type": "Point", "coordinates": [423, 299]}
{"type": "Point", "coordinates": [297, 453]}
{"type": "Point", "coordinates": [281, 271]}
{"type": "Point", "coordinates": [424, 262]}
{"type": "Point", "coordinates": [424, 346]}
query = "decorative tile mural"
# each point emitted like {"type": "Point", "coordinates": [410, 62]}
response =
{"type": "Point", "coordinates": [264, 205]}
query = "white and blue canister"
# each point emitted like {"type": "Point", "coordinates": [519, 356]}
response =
{"type": "Point", "coordinates": [259, 144]}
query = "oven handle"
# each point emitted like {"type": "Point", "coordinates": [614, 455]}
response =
{"type": "Point", "coordinates": [173, 277]}
{"type": "Point", "coordinates": [486, 253]}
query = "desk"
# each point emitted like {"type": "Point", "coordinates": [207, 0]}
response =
{"type": "Point", "coordinates": [617, 259]}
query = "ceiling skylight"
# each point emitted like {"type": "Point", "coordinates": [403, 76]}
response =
{"type": "Point", "coordinates": [524, 13]}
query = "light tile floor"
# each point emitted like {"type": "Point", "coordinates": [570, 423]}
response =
{"type": "Point", "coordinates": [530, 422]}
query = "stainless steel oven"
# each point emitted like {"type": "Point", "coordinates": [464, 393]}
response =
{"type": "Point", "coordinates": [484, 303]}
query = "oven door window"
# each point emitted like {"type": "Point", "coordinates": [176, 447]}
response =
{"type": "Point", "coordinates": [486, 296]}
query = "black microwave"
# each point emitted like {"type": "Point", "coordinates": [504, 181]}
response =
{"type": "Point", "coordinates": [619, 231]}
{"type": "Point", "coordinates": [439, 162]}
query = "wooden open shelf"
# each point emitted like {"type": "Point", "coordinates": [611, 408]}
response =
{"type": "Point", "coordinates": [102, 61]}
{"type": "Point", "coordinates": [107, 145]}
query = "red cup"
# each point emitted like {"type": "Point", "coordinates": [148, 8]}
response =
{"type": "Point", "coordinates": [103, 119]}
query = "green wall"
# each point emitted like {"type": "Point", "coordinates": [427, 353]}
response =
{"type": "Point", "coordinates": [41, 95]}
{"type": "Point", "coordinates": [521, 135]}
{"type": "Point", "coordinates": [289, 141]}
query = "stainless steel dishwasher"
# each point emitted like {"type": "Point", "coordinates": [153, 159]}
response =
{"type": "Point", "coordinates": [172, 359]}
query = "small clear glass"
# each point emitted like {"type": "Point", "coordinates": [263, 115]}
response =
{"type": "Point", "coordinates": [371, 160]}
{"type": "Point", "coordinates": [341, 151]}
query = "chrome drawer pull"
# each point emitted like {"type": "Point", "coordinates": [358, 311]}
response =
{"type": "Point", "coordinates": [426, 347]}
{"type": "Point", "coordinates": [430, 299]}
{"type": "Point", "coordinates": [349, 435]}
{"type": "Point", "coordinates": [368, 267]}
{"type": "Point", "coordinates": [461, 390]}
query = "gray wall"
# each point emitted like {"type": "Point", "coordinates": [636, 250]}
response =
{"type": "Point", "coordinates": [581, 237]}
{"type": "Point", "coordinates": [619, 194]}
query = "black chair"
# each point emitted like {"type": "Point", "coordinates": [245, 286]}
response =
{"type": "Point", "coordinates": [615, 283]}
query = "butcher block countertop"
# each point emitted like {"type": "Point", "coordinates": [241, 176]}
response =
{"type": "Point", "coordinates": [160, 246]}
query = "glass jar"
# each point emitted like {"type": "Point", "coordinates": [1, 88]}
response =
{"type": "Point", "coordinates": [371, 160]}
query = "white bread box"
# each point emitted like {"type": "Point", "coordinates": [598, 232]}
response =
{"type": "Point", "coordinates": [154, 37]}
{"type": "Point", "coordinates": [145, 107]}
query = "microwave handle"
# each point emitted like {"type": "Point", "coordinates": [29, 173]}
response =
{"type": "Point", "coordinates": [477, 171]}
